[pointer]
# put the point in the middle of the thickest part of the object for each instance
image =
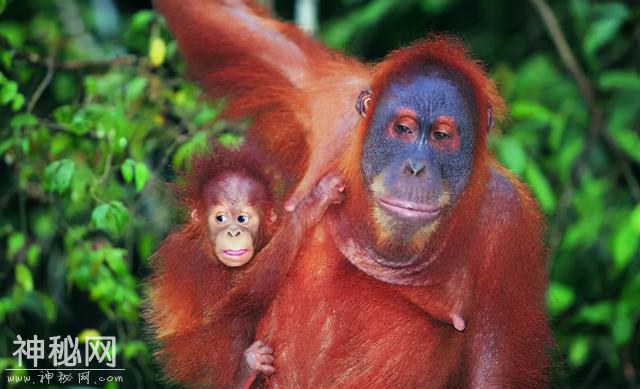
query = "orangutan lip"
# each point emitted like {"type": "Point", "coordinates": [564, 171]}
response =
{"type": "Point", "coordinates": [235, 253]}
{"type": "Point", "coordinates": [408, 209]}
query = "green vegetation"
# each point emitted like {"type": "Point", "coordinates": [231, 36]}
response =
{"type": "Point", "coordinates": [95, 116]}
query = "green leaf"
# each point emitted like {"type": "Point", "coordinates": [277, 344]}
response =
{"type": "Point", "coordinates": [578, 351]}
{"type": "Point", "coordinates": [18, 101]}
{"type": "Point", "coordinates": [135, 89]}
{"type": "Point", "coordinates": [58, 175]}
{"type": "Point", "coordinates": [127, 170]}
{"type": "Point", "coordinates": [23, 277]}
{"type": "Point", "coordinates": [540, 187]}
{"type": "Point", "coordinates": [23, 120]}
{"type": "Point", "coordinates": [435, 6]}
{"type": "Point", "coordinates": [111, 217]}
{"type": "Point", "coordinates": [142, 174]}
{"type": "Point", "coordinates": [3, 5]}
{"type": "Point", "coordinates": [6, 145]}
{"type": "Point", "coordinates": [338, 33]}
{"type": "Point", "coordinates": [134, 348]}
{"type": "Point", "coordinates": [628, 141]}
{"type": "Point", "coordinates": [33, 254]}
{"type": "Point", "coordinates": [559, 298]}
{"type": "Point", "coordinates": [141, 20]}
{"type": "Point", "coordinates": [157, 51]}
{"type": "Point", "coordinates": [197, 143]}
{"type": "Point", "coordinates": [15, 243]}
{"type": "Point", "coordinates": [49, 307]}
{"type": "Point", "coordinates": [619, 79]}
{"type": "Point", "coordinates": [622, 327]}
{"type": "Point", "coordinates": [624, 245]}
{"type": "Point", "coordinates": [598, 313]}
{"type": "Point", "coordinates": [205, 115]}
{"type": "Point", "coordinates": [634, 219]}
{"type": "Point", "coordinates": [605, 28]}
{"type": "Point", "coordinates": [8, 92]}
{"type": "Point", "coordinates": [230, 139]}
{"type": "Point", "coordinates": [63, 114]}
{"type": "Point", "coordinates": [531, 110]}
{"type": "Point", "coordinates": [115, 260]}
{"type": "Point", "coordinates": [87, 333]}
{"type": "Point", "coordinates": [512, 154]}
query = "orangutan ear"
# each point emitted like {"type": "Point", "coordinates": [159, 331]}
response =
{"type": "Point", "coordinates": [194, 215]}
{"type": "Point", "coordinates": [362, 105]}
{"type": "Point", "coordinates": [490, 121]}
{"type": "Point", "coordinates": [274, 217]}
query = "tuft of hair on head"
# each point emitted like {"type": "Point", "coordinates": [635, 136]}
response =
{"type": "Point", "coordinates": [450, 53]}
{"type": "Point", "coordinates": [247, 161]}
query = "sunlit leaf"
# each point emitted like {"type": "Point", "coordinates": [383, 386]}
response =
{"type": "Point", "coordinates": [15, 243]}
{"type": "Point", "coordinates": [115, 258]}
{"type": "Point", "coordinates": [578, 351]}
{"type": "Point", "coordinates": [540, 187]}
{"type": "Point", "coordinates": [18, 102]}
{"type": "Point", "coordinates": [135, 89]}
{"type": "Point", "coordinates": [559, 298]}
{"type": "Point", "coordinates": [157, 51]}
{"type": "Point", "coordinates": [33, 254]}
{"type": "Point", "coordinates": [522, 109]}
{"type": "Point", "coordinates": [111, 217]}
{"type": "Point", "coordinates": [598, 313]}
{"type": "Point", "coordinates": [622, 327]}
{"type": "Point", "coordinates": [142, 175]}
{"type": "Point", "coordinates": [604, 29]}
{"type": "Point", "coordinates": [58, 175]}
{"type": "Point", "coordinates": [127, 169]}
{"type": "Point", "coordinates": [49, 307]}
{"type": "Point", "coordinates": [135, 348]}
{"type": "Point", "coordinates": [338, 33]}
{"type": "Point", "coordinates": [8, 92]}
{"type": "Point", "coordinates": [87, 333]}
{"type": "Point", "coordinates": [624, 245]}
{"type": "Point", "coordinates": [23, 277]}
{"type": "Point", "coordinates": [628, 141]}
{"type": "Point", "coordinates": [634, 219]}
{"type": "Point", "coordinates": [230, 139]}
{"type": "Point", "coordinates": [23, 120]}
{"type": "Point", "coordinates": [197, 143]}
{"type": "Point", "coordinates": [512, 155]}
{"type": "Point", "coordinates": [618, 79]}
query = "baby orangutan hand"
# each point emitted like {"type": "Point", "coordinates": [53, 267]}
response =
{"type": "Point", "coordinates": [259, 358]}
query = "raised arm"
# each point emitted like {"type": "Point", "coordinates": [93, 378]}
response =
{"type": "Point", "coordinates": [300, 94]}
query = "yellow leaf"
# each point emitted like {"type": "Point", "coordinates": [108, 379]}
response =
{"type": "Point", "coordinates": [157, 51]}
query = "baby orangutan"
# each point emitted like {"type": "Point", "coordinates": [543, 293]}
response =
{"type": "Point", "coordinates": [231, 257]}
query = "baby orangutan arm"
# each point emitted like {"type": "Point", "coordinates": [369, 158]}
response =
{"type": "Point", "coordinates": [260, 282]}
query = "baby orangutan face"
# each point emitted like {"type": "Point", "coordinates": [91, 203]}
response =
{"type": "Point", "coordinates": [234, 220]}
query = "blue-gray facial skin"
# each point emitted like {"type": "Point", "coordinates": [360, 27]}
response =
{"type": "Point", "coordinates": [418, 153]}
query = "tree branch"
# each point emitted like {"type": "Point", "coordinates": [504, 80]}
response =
{"type": "Point", "coordinates": [569, 60]}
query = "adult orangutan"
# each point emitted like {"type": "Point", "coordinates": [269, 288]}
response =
{"type": "Point", "coordinates": [431, 273]}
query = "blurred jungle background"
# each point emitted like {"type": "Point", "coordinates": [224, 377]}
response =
{"type": "Point", "coordinates": [95, 117]}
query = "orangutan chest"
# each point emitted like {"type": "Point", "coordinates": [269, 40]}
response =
{"type": "Point", "coordinates": [333, 326]}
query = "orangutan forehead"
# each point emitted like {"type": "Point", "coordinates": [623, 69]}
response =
{"type": "Point", "coordinates": [236, 188]}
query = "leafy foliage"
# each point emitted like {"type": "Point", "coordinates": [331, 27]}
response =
{"type": "Point", "coordinates": [92, 123]}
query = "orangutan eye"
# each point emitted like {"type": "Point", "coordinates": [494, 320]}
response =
{"type": "Point", "coordinates": [221, 218]}
{"type": "Point", "coordinates": [439, 135]}
{"type": "Point", "coordinates": [242, 219]}
{"type": "Point", "coordinates": [402, 129]}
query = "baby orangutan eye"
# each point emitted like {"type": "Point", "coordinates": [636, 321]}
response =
{"type": "Point", "coordinates": [243, 219]}
{"type": "Point", "coordinates": [221, 218]}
